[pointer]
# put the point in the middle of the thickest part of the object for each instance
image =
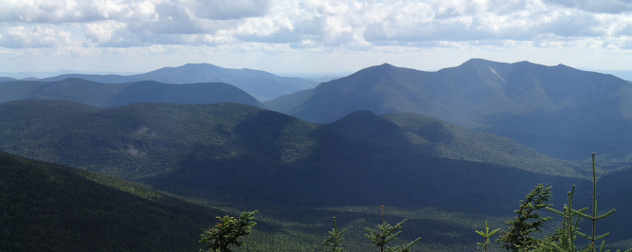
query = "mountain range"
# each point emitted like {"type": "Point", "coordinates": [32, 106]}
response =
{"type": "Point", "coordinates": [557, 110]}
{"type": "Point", "coordinates": [262, 85]}
{"type": "Point", "coordinates": [469, 139]}
{"type": "Point", "coordinates": [114, 95]}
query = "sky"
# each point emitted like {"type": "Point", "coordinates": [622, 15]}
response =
{"type": "Point", "coordinates": [310, 36]}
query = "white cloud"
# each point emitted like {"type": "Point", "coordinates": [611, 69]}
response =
{"type": "Point", "coordinates": [65, 11]}
{"type": "Point", "coordinates": [315, 26]}
{"type": "Point", "coordinates": [327, 23]}
{"type": "Point", "coordinates": [32, 36]}
{"type": "Point", "coordinates": [105, 32]}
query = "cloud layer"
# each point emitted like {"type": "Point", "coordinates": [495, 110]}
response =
{"type": "Point", "coordinates": [314, 25]}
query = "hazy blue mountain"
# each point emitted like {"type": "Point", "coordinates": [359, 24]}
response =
{"type": "Point", "coordinates": [107, 78]}
{"type": "Point", "coordinates": [114, 95]}
{"type": "Point", "coordinates": [41, 75]}
{"type": "Point", "coordinates": [6, 79]}
{"type": "Point", "coordinates": [558, 110]}
{"type": "Point", "coordinates": [262, 85]}
{"type": "Point", "coordinates": [287, 103]}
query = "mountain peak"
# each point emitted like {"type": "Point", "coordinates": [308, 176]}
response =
{"type": "Point", "coordinates": [196, 66]}
{"type": "Point", "coordinates": [375, 70]}
{"type": "Point", "coordinates": [385, 66]}
{"type": "Point", "coordinates": [477, 61]}
{"type": "Point", "coordinates": [481, 63]}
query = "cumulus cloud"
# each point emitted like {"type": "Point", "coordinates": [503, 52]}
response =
{"type": "Point", "coordinates": [32, 36]}
{"type": "Point", "coordinates": [105, 32]}
{"type": "Point", "coordinates": [65, 11]}
{"type": "Point", "coordinates": [350, 24]}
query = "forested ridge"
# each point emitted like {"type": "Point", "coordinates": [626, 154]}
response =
{"type": "Point", "coordinates": [181, 147]}
{"type": "Point", "coordinates": [55, 208]}
{"type": "Point", "coordinates": [48, 207]}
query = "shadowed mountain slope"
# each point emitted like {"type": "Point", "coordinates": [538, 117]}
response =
{"type": "Point", "coordinates": [421, 134]}
{"type": "Point", "coordinates": [204, 150]}
{"type": "Point", "coordinates": [114, 95]}
{"type": "Point", "coordinates": [49, 207]}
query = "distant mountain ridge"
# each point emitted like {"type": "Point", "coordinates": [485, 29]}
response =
{"type": "Point", "coordinates": [114, 95]}
{"type": "Point", "coordinates": [523, 101]}
{"type": "Point", "coordinates": [260, 84]}
{"type": "Point", "coordinates": [6, 79]}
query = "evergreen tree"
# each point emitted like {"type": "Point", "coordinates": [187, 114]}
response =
{"type": "Point", "coordinates": [386, 233]}
{"type": "Point", "coordinates": [517, 237]}
{"type": "Point", "coordinates": [564, 238]}
{"type": "Point", "coordinates": [335, 238]}
{"type": "Point", "coordinates": [228, 232]}
{"type": "Point", "coordinates": [486, 235]}
{"type": "Point", "coordinates": [594, 217]}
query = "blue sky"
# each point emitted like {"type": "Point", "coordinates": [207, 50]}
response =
{"type": "Point", "coordinates": [310, 36]}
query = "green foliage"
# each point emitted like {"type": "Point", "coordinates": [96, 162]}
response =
{"type": "Point", "coordinates": [564, 238]}
{"type": "Point", "coordinates": [518, 236]}
{"type": "Point", "coordinates": [228, 232]}
{"type": "Point", "coordinates": [385, 233]}
{"type": "Point", "coordinates": [486, 235]}
{"type": "Point", "coordinates": [335, 239]}
{"type": "Point", "coordinates": [593, 238]}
